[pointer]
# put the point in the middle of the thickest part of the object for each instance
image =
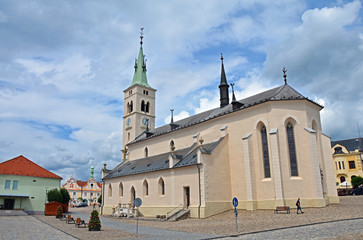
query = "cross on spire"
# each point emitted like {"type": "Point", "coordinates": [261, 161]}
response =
{"type": "Point", "coordinates": [141, 35]}
{"type": "Point", "coordinates": [284, 71]}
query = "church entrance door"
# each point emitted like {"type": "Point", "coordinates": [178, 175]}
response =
{"type": "Point", "coordinates": [186, 197]}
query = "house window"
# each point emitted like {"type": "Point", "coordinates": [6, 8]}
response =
{"type": "Point", "coordinates": [146, 188]}
{"type": "Point", "coordinates": [340, 166]}
{"type": "Point", "coordinates": [292, 149]}
{"type": "Point", "coordinates": [84, 194]}
{"type": "Point", "coordinates": [343, 165]}
{"type": "Point", "coordinates": [342, 179]}
{"type": "Point", "coordinates": [91, 194]}
{"type": "Point", "coordinates": [71, 185]}
{"type": "Point", "coordinates": [15, 184]}
{"type": "Point", "coordinates": [338, 150]}
{"type": "Point", "coordinates": [351, 164]}
{"type": "Point", "coordinates": [7, 184]}
{"type": "Point", "coordinates": [91, 185]}
{"type": "Point", "coordinates": [161, 187]}
{"type": "Point", "coordinates": [74, 194]}
{"type": "Point", "coordinates": [266, 159]}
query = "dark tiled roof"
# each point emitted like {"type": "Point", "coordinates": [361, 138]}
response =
{"type": "Point", "coordinates": [350, 144]}
{"type": "Point", "coordinates": [184, 157]}
{"type": "Point", "coordinates": [24, 167]}
{"type": "Point", "coordinates": [281, 93]}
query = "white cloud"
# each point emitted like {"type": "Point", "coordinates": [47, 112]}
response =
{"type": "Point", "coordinates": [3, 17]}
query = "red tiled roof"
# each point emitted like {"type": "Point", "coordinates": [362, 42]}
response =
{"type": "Point", "coordinates": [81, 183]}
{"type": "Point", "coordinates": [99, 184]}
{"type": "Point", "coordinates": [24, 167]}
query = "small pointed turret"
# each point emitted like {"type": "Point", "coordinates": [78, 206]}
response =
{"type": "Point", "coordinates": [140, 67]}
{"type": "Point", "coordinates": [223, 87]}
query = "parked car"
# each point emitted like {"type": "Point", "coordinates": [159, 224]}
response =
{"type": "Point", "coordinates": [82, 204]}
{"type": "Point", "coordinates": [357, 191]}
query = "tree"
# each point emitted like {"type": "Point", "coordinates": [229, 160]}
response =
{"type": "Point", "coordinates": [99, 200]}
{"type": "Point", "coordinates": [94, 222]}
{"type": "Point", "coordinates": [357, 181]}
{"type": "Point", "coordinates": [54, 195]}
{"type": "Point", "coordinates": [59, 212]}
{"type": "Point", "coordinates": [65, 195]}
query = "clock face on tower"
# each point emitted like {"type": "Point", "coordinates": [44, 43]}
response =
{"type": "Point", "coordinates": [128, 122]}
{"type": "Point", "coordinates": [145, 121]}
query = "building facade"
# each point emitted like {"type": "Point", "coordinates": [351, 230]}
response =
{"type": "Point", "coordinates": [347, 159]}
{"type": "Point", "coordinates": [24, 185]}
{"type": "Point", "coordinates": [84, 191]}
{"type": "Point", "coordinates": [267, 150]}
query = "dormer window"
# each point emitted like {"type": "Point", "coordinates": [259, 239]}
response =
{"type": "Point", "coordinates": [338, 150]}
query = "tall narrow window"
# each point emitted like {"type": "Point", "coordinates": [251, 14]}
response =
{"type": "Point", "coordinates": [109, 190]}
{"type": "Point", "coordinates": [292, 149]}
{"type": "Point", "coordinates": [7, 184]}
{"type": "Point", "coordinates": [121, 190]}
{"type": "Point", "coordinates": [266, 159]}
{"type": "Point", "coordinates": [146, 188]}
{"type": "Point", "coordinates": [343, 165]}
{"type": "Point", "coordinates": [15, 184]}
{"type": "Point", "coordinates": [146, 152]}
{"type": "Point", "coordinates": [161, 187]}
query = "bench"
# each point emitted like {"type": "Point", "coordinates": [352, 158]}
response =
{"type": "Point", "coordinates": [79, 222]}
{"type": "Point", "coordinates": [69, 219]}
{"type": "Point", "coordinates": [282, 208]}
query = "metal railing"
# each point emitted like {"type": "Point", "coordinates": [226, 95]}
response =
{"type": "Point", "coordinates": [174, 210]}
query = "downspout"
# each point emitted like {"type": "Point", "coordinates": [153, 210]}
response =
{"type": "Point", "coordinates": [103, 196]}
{"type": "Point", "coordinates": [200, 197]}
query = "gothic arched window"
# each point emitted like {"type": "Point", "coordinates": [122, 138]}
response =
{"type": "Point", "coordinates": [146, 188]}
{"type": "Point", "coordinates": [121, 190]}
{"type": "Point", "coordinates": [265, 153]}
{"type": "Point", "coordinates": [109, 190]}
{"type": "Point", "coordinates": [292, 149]}
{"type": "Point", "coordinates": [146, 152]}
{"type": "Point", "coordinates": [161, 187]}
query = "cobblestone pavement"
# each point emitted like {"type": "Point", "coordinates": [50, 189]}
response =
{"type": "Point", "coordinates": [332, 222]}
{"type": "Point", "coordinates": [346, 229]}
{"type": "Point", "coordinates": [28, 228]}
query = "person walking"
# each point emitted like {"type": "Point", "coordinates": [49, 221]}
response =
{"type": "Point", "coordinates": [298, 205]}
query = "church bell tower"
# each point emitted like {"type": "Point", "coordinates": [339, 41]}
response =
{"type": "Point", "coordinates": [139, 102]}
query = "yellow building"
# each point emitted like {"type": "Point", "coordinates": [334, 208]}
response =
{"type": "Point", "coordinates": [347, 158]}
{"type": "Point", "coordinates": [87, 191]}
{"type": "Point", "coordinates": [266, 150]}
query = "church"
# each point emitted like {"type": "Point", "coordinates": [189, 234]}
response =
{"type": "Point", "coordinates": [266, 150]}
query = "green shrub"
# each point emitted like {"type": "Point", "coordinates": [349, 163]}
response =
{"type": "Point", "coordinates": [357, 181]}
{"type": "Point", "coordinates": [65, 195]}
{"type": "Point", "coordinates": [99, 200]}
{"type": "Point", "coordinates": [54, 195]}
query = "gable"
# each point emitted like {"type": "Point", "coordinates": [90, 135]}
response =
{"type": "Point", "coordinates": [24, 167]}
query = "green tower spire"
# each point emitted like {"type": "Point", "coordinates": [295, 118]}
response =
{"type": "Point", "coordinates": [92, 171]}
{"type": "Point", "coordinates": [140, 67]}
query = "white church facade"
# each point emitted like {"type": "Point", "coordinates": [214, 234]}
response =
{"type": "Point", "coordinates": [266, 150]}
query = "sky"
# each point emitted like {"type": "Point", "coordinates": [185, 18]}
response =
{"type": "Point", "coordinates": [64, 66]}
